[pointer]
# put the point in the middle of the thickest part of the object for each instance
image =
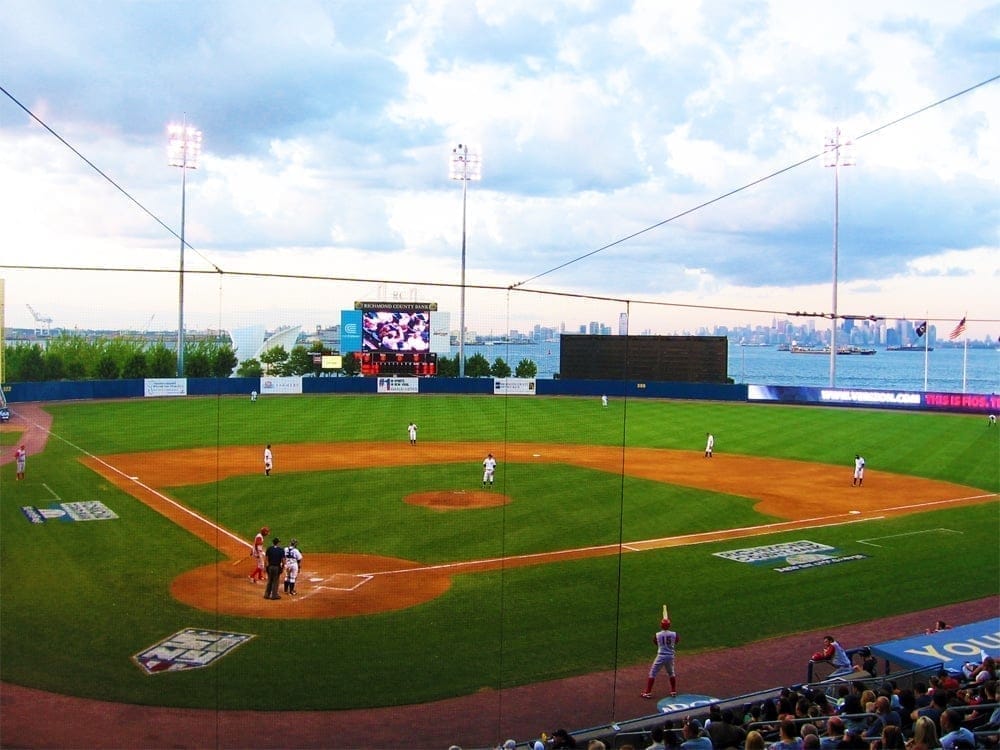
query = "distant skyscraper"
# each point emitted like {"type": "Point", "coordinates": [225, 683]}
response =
{"type": "Point", "coordinates": [623, 324]}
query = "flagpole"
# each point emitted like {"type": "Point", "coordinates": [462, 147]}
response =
{"type": "Point", "coordinates": [965, 361]}
{"type": "Point", "coordinates": [926, 339]}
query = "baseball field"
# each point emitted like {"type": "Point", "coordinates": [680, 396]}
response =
{"type": "Point", "coordinates": [419, 584]}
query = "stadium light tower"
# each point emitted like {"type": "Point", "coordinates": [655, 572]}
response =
{"type": "Point", "coordinates": [838, 154]}
{"type": "Point", "coordinates": [465, 165]}
{"type": "Point", "coordinates": [183, 150]}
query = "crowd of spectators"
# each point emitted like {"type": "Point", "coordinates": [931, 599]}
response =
{"type": "Point", "coordinates": [950, 711]}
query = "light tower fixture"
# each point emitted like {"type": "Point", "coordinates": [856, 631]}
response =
{"type": "Point", "coordinates": [837, 153]}
{"type": "Point", "coordinates": [183, 150]}
{"type": "Point", "coordinates": [465, 165]}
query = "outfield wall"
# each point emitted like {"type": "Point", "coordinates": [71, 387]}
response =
{"type": "Point", "coordinates": [969, 403]}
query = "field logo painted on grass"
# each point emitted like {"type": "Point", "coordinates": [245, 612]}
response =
{"type": "Point", "coordinates": [684, 702]}
{"type": "Point", "coordinates": [190, 648]}
{"type": "Point", "coordinates": [92, 510]}
{"type": "Point", "coordinates": [800, 555]}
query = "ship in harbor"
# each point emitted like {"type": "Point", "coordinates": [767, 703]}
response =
{"type": "Point", "coordinates": [909, 348]}
{"type": "Point", "coordinates": [841, 350]}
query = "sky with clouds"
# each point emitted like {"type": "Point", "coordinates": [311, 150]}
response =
{"type": "Point", "coordinates": [328, 129]}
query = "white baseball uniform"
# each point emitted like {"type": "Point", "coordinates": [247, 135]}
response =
{"type": "Point", "coordinates": [489, 467]}
{"type": "Point", "coordinates": [293, 559]}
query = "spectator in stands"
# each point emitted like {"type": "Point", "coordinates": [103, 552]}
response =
{"type": "Point", "coordinates": [855, 722]}
{"type": "Point", "coordinates": [953, 735]}
{"type": "Point", "coordinates": [810, 742]}
{"type": "Point", "coordinates": [754, 741]}
{"type": "Point", "coordinates": [944, 681]}
{"type": "Point", "coordinates": [834, 734]}
{"type": "Point", "coordinates": [983, 671]}
{"type": "Point", "coordinates": [694, 736]}
{"type": "Point", "coordinates": [808, 728]}
{"type": "Point", "coordinates": [891, 739]}
{"type": "Point", "coordinates": [788, 737]}
{"type": "Point", "coordinates": [884, 716]}
{"type": "Point", "coordinates": [672, 736]}
{"type": "Point", "coordinates": [925, 735]}
{"type": "Point", "coordinates": [657, 736]}
{"type": "Point", "coordinates": [562, 738]}
{"type": "Point", "coordinates": [907, 704]}
{"type": "Point", "coordinates": [938, 627]}
{"type": "Point", "coordinates": [920, 695]}
{"type": "Point", "coordinates": [823, 704]}
{"type": "Point", "coordinates": [939, 702]}
{"type": "Point", "coordinates": [834, 654]}
{"type": "Point", "coordinates": [724, 731]}
{"type": "Point", "coordinates": [596, 745]}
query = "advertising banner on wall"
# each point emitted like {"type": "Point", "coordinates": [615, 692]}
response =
{"type": "Point", "coordinates": [153, 387]}
{"type": "Point", "coordinates": [514, 386]}
{"type": "Point", "coordinates": [885, 399]}
{"type": "Point", "coordinates": [399, 385]}
{"type": "Point", "coordinates": [278, 386]}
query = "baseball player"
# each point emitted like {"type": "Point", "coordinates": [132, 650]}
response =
{"type": "Point", "coordinates": [253, 395]}
{"type": "Point", "coordinates": [859, 471]}
{"type": "Point", "coordinates": [411, 430]}
{"type": "Point", "coordinates": [258, 554]}
{"type": "Point", "coordinates": [268, 460]}
{"type": "Point", "coordinates": [666, 644]}
{"type": "Point", "coordinates": [293, 559]}
{"type": "Point", "coordinates": [20, 458]}
{"type": "Point", "coordinates": [489, 467]}
{"type": "Point", "coordinates": [709, 444]}
{"type": "Point", "coordinates": [604, 401]}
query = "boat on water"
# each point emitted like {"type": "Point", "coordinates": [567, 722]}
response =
{"type": "Point", "coordinates": [841, 350]}
{"type": "Point", "coordinates": [909, 348]}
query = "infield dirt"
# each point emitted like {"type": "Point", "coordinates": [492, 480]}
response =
{"type": "Point", "coordinates": [339, 585]}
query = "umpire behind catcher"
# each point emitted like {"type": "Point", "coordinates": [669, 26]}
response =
{"type": "Point", "coordinates": [275, 562]}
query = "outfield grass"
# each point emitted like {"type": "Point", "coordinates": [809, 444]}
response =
{"type": "Point", "coordinates": [80, 599]}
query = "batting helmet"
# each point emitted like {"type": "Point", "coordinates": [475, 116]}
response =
{"type": "Point", "coordinates": [294, 542]}
{"type": "Point", "coordinates": [664, 623]}
{"type": "Point", "coordinates": [264, 530]}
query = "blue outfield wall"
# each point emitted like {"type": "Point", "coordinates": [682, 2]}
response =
{"type": "Point", "coordinates": [968, 403]}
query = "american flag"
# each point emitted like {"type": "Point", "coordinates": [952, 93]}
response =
{"type": "Point", "coordinates": [959, 330]}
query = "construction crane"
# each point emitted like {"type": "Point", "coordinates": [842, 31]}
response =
{"type": "Point", "coordinates": [43, 324]}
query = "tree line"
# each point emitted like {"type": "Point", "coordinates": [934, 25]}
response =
{"type": "Point", "coordinates": [74, 357]}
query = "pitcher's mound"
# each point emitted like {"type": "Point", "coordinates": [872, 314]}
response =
{"type": "Point", "coordinates": [457, 499]}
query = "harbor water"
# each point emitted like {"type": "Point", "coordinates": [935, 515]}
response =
{"type": "Point", "coordinates": [952, 370]}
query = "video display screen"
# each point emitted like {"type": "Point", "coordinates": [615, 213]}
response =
{"type": "Point", "coordinates": [396, 331]}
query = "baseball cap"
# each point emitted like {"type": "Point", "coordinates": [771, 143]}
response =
{"type": "Point", "coordinates": [277, 541]}
{"type": "Point", "coordinates": [265, 530]}
{"type": "Point", "coordinates": [509, 745]}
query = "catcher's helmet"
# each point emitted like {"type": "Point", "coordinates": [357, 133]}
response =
{"type": "Point", "coordinates": [664, 623]}
{"type": "Point", "coordinates": [294, 542]}
{"type": "Point", "coordinates": [264, 530]}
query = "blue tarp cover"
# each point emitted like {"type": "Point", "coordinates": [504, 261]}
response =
{"type": "Point", "coordinates": [952, 648]}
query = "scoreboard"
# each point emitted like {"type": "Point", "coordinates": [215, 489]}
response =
{"type": "Point", "coordinates": [404, 364]}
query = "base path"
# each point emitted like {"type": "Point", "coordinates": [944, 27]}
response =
{"type": "Point", "coordinates": [337, 585]}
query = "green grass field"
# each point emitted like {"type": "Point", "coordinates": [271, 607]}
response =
{"type": "Point", "coordinates": [80, 599]}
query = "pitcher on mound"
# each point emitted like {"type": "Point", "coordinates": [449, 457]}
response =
{"type": "Point", "coordinates": [666, 644]}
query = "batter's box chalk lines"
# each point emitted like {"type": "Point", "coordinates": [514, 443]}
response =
{"type": "Point", "coordinates": [343, 582]}
{"type": "Point", "coordinates": [871, 541]}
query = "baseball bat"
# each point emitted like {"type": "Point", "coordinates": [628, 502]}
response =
{"type": "Point", "coordinates": [665, 615]}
